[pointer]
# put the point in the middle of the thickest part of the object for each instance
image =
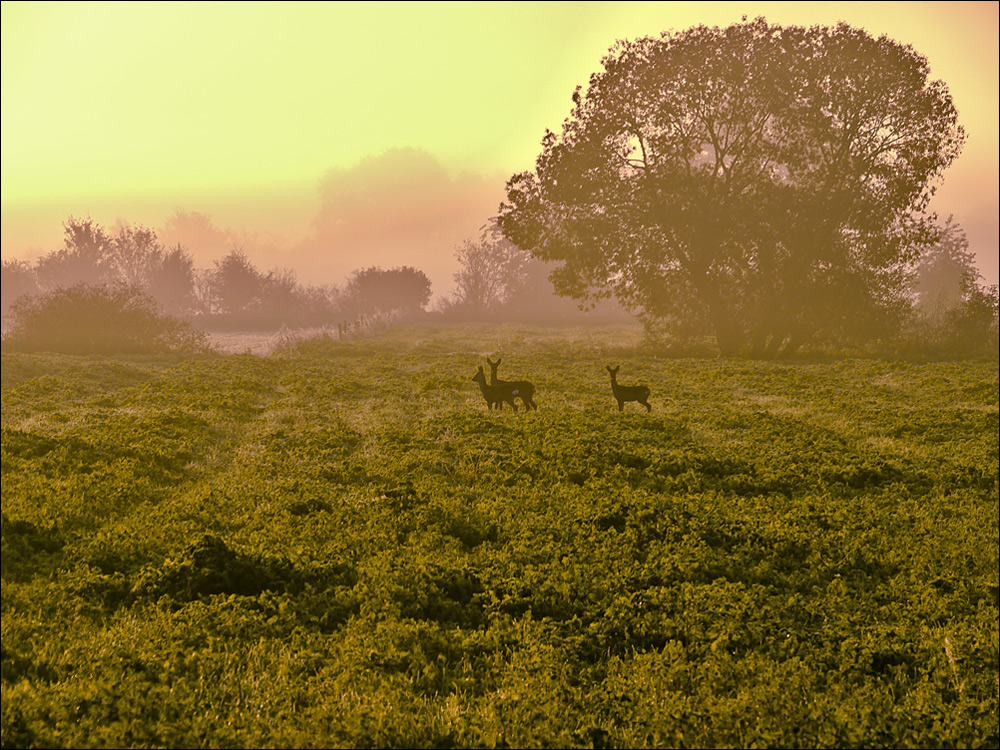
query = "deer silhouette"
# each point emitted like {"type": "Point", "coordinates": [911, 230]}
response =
{"type": "Point", "coordinates": [496, 394]}
{"type": "Point", "coordinates": [525, 390]}
{"type": "Point", "coordinates": [626, 393]}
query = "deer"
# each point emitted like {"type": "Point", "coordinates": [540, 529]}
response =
{"type": "Point", "coordinates": [525, 390]}
{"type": "Point", "coordinates": [496, 394]}
{"type": "Point", "coordinates": [626, 393]}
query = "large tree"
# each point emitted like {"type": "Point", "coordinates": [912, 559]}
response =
{"type": "Point", "coordinates": [762, 183]}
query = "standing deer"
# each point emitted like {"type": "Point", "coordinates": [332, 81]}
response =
{"type": "Point", "coordinates": [525, 390]}
{"type": "Point", "coordinates": [496, 394]}
{"type": "Point", "coordinates": [625, 393]}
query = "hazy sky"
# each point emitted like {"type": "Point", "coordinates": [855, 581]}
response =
{"type": "Point", "coordinates": [260, 114]}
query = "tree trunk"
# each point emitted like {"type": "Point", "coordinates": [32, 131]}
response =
{"type": "Point", "coordinates": [728, 337]}
{"type": "Point", "coordinates": [774, 345]}
{"type": "Point", "coordinates": [792, 345]}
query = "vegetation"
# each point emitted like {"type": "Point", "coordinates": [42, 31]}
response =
{"type": "Point", "coordinates": [763, 183]}
{"type": "Point", "coordinates": [951, 312]}
{"type": "Point", "coordinates": [492, 271]}
{"type": "Point", "coordinates": [374, 290]}
{"type": "Point", "coordinates": [232, 295]}
{"type": "Point", "coordinates": [86, 319]}
{"type": "Point", "coordinates": [340, 545]}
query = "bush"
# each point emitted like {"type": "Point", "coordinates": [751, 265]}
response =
{"type": "Point", "coordinates": [86, 319]}
{"type": "Point", "coordinates": [967, 328]}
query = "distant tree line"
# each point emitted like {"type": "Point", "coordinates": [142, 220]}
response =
{"type": "Point", "coordinates": [96, 270]}
{"type": "Point", "coordinates": [232, 294]}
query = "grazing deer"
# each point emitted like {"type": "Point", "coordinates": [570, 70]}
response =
{"type": "Point", "coordinates": [525, 390]}
{"type": "Point", "coordinates": [496, 394]}
{"type": "Point", "coordinates": [625, 393]}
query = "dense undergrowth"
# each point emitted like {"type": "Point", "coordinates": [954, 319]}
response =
{"type": "Point", "coordinates": [338, 545]}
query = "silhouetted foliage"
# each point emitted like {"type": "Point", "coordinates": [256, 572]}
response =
{"type": "Point", "coordinates": [951, 313]}
{"type": "Point", "coordinates": [236, 295]}
{"type": "Point", "coordinates": [97, 319]}
{"type": "Point", "coordinates": [237, 286]}
{"type": "Point", "coordinates": [374, 290]}
{"type": "Point", "coordinates": [86, 257]}
{"type": "Point", "coordinates": [134, 257]}
{"type": "Point", "coordinates": [499, 281]}
{"type": "Point", "coordinates": [942, 273]}
{"type": "Point", "coordinates": [171, 281]}
{"type": "Point", "coordinates": [492, 271]}
{"type": "Point", "coordinates": [18, 278]}
{"type": "Point", "coordinates": [972, 326]}
{"type": "Point", "coordinates": [762, 183]}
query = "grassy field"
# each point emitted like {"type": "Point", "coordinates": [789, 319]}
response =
{"type": "Point", "coordinates": [338, 545]}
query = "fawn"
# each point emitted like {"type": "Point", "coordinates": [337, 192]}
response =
{"type": "Point", "coordinates": [496, 394]}
{"type": "Point", "coordinates": [625, 393]}
{"type": "Point", "coordinates": [525, 390]}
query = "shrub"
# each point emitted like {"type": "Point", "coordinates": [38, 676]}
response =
{"type": "Point", "coordinates": [88, 319]}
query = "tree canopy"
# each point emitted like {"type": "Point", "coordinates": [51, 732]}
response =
{"type": "Point", "coordinates": [375, 290]}
{"type": "Point", "coordinates": [763, 184]}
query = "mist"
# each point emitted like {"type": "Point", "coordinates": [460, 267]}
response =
{"type": "Point", "coordinates": [401, 207]}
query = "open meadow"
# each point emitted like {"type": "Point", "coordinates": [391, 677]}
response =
{"type": "Point", "coordinates": [337, 544]}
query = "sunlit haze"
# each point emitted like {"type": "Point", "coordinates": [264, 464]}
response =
{"type": "Point", "coordinates": [335, 136]}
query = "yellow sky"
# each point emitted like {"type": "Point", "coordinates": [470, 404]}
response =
{"type": "Point", "coordinates": [131, 110]}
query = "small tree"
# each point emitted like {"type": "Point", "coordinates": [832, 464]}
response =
{"type": "Point", "coordinates": [374, 290]}
{"type": "Point", "coordinates": [86, 257]}
{"type": "Point", "coordinates": [136, 255]}
{"type": "Point", "coordinates": [950, 312]}
{"type": "Point", "coordinates": [171, 281]}
{"type": "Point", "coordinates": [492, 271]}
{"type": "Point", "coordinates": [237, 286]}
{"type": "Point", "coordinates": [972, 326]}
{"type": "Point", "coordinates": [943, 274]}
{"type": "Point", "coordinates": [97, 319]}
